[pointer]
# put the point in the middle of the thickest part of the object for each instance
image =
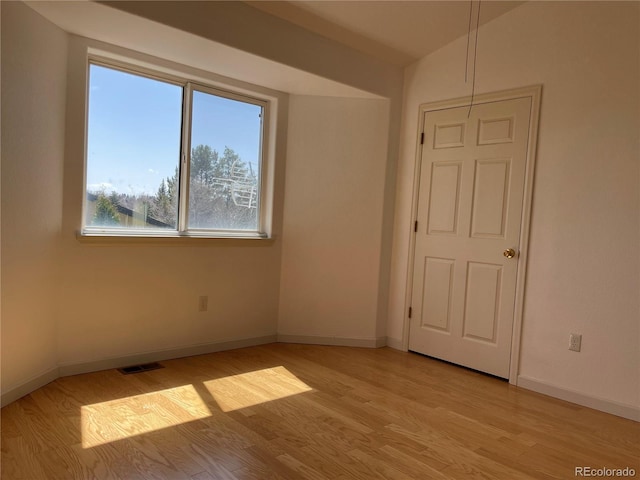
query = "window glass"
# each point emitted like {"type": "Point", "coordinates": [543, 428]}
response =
{"type": "Point", "coordinates": [133, 150]}
{"type": "Point", "coordinates": [134, 145]}
{"type": "Point", "coordinates": [224, 186]}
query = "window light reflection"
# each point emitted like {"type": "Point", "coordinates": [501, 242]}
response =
{"type": "Point", "coordinates": [127, 417]}
{"type": "Point", "coordinates": [130, 416]}
{"type": "Point", "coordinates": [252, 388]}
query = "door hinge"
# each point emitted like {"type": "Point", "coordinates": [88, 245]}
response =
{"type": "Point", "coordinates": [415, 226]}
{"type": "Point", "coordinates": [410, 312]}
{"type": "Point", "coordinates": [422, 138]}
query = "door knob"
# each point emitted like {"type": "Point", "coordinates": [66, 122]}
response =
{"type": "Point", "coordinates": [509, 253]}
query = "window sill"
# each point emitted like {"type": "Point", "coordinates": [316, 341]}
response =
{"type": "Point", "coordinates": [165, 239]}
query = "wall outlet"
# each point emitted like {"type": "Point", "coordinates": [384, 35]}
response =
{"type": "Point", "coordinates": [575, 341]}
{"type": "Point", "coordinates": [203, 303]}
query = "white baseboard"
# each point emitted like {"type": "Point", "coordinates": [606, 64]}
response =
{"type": "Point", "coordinates": [395, 343]}
{"type": "Point", "coordinates": [66, 369]}
{"type": "Point", "coordinates": [29, 386]}
{"type": "Point", "coordinates": [334, 341]}
{"type": "Point", "coordinates": [620, 409]}
{"type": "Point", "coordinates": [380, 342]}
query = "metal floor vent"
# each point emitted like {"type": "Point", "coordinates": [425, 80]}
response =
{"type": "Point", "coordinates": [140, 368]}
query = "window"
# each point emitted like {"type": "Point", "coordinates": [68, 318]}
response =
{"type": "Point", "coordinates": [169, 157]}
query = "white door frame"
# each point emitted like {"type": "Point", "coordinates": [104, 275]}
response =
{"type": "Point", "coordinates": [534, 92]}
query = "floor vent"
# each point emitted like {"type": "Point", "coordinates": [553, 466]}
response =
{"type": "Point", "coordinates": [140, 368]}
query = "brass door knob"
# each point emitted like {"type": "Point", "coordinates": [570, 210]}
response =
{"type": "Point", "coordinates": [509, 253]}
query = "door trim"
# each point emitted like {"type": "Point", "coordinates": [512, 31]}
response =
{"type": "Point", "coordinates": [533, 92]}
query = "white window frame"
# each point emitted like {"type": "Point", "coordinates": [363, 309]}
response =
{"type": "Point", "coordinates": [189, 84]}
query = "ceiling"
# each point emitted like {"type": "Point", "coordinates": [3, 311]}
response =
{"type": "Point", "coordinates": [98, 21]}
{"type": "Point", "coordinates": [397, 31]}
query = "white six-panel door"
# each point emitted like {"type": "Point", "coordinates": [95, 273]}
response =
{"type": "Point", "coordinates": [468, 219]}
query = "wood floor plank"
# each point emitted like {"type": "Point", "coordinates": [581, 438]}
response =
{"type": "Point", "coordinates": [411, 464]}
{"type": "Point", "coordinates": [19, 461]}
{"type": "Point", "coordinates": [307, 472]}
{"type": "Point", "coordinates": [288, 412]}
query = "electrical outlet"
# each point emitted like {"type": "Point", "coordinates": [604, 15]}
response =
{"type": "Point", "coordinates": [575, 341]}
{"type": "Point", "coordinates": [203, 303]}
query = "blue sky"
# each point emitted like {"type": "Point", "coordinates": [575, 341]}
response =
{"type": "Point", "coordinates": [134, 130]}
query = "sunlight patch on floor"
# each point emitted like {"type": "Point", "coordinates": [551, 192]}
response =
{"type": "Point", "coordinates": [252, 388]}
{"type": "Point", "coordinates": [126, 417]}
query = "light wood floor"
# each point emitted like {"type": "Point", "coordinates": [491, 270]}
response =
{"type": "Point", "coordinates": [305, 412]}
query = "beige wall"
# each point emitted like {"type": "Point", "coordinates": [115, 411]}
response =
{"type": "Point", "coordinates": [65, 302]}
{"type": "Point", "coordinates": [78, 305]}
{"type": "Point", "coordinates": [34, 55]}
{"type": "Point", "coordinates": [334, 201]}
{"type": "Point", "coordinates": [121, 297]}
{"type": "Point", "coordinates": [584, 265]}
{"type": "Point", "coordinates": [69, 302]}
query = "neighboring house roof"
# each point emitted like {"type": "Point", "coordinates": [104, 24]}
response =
{"type": "Point", "coordinates": [131, 213]}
